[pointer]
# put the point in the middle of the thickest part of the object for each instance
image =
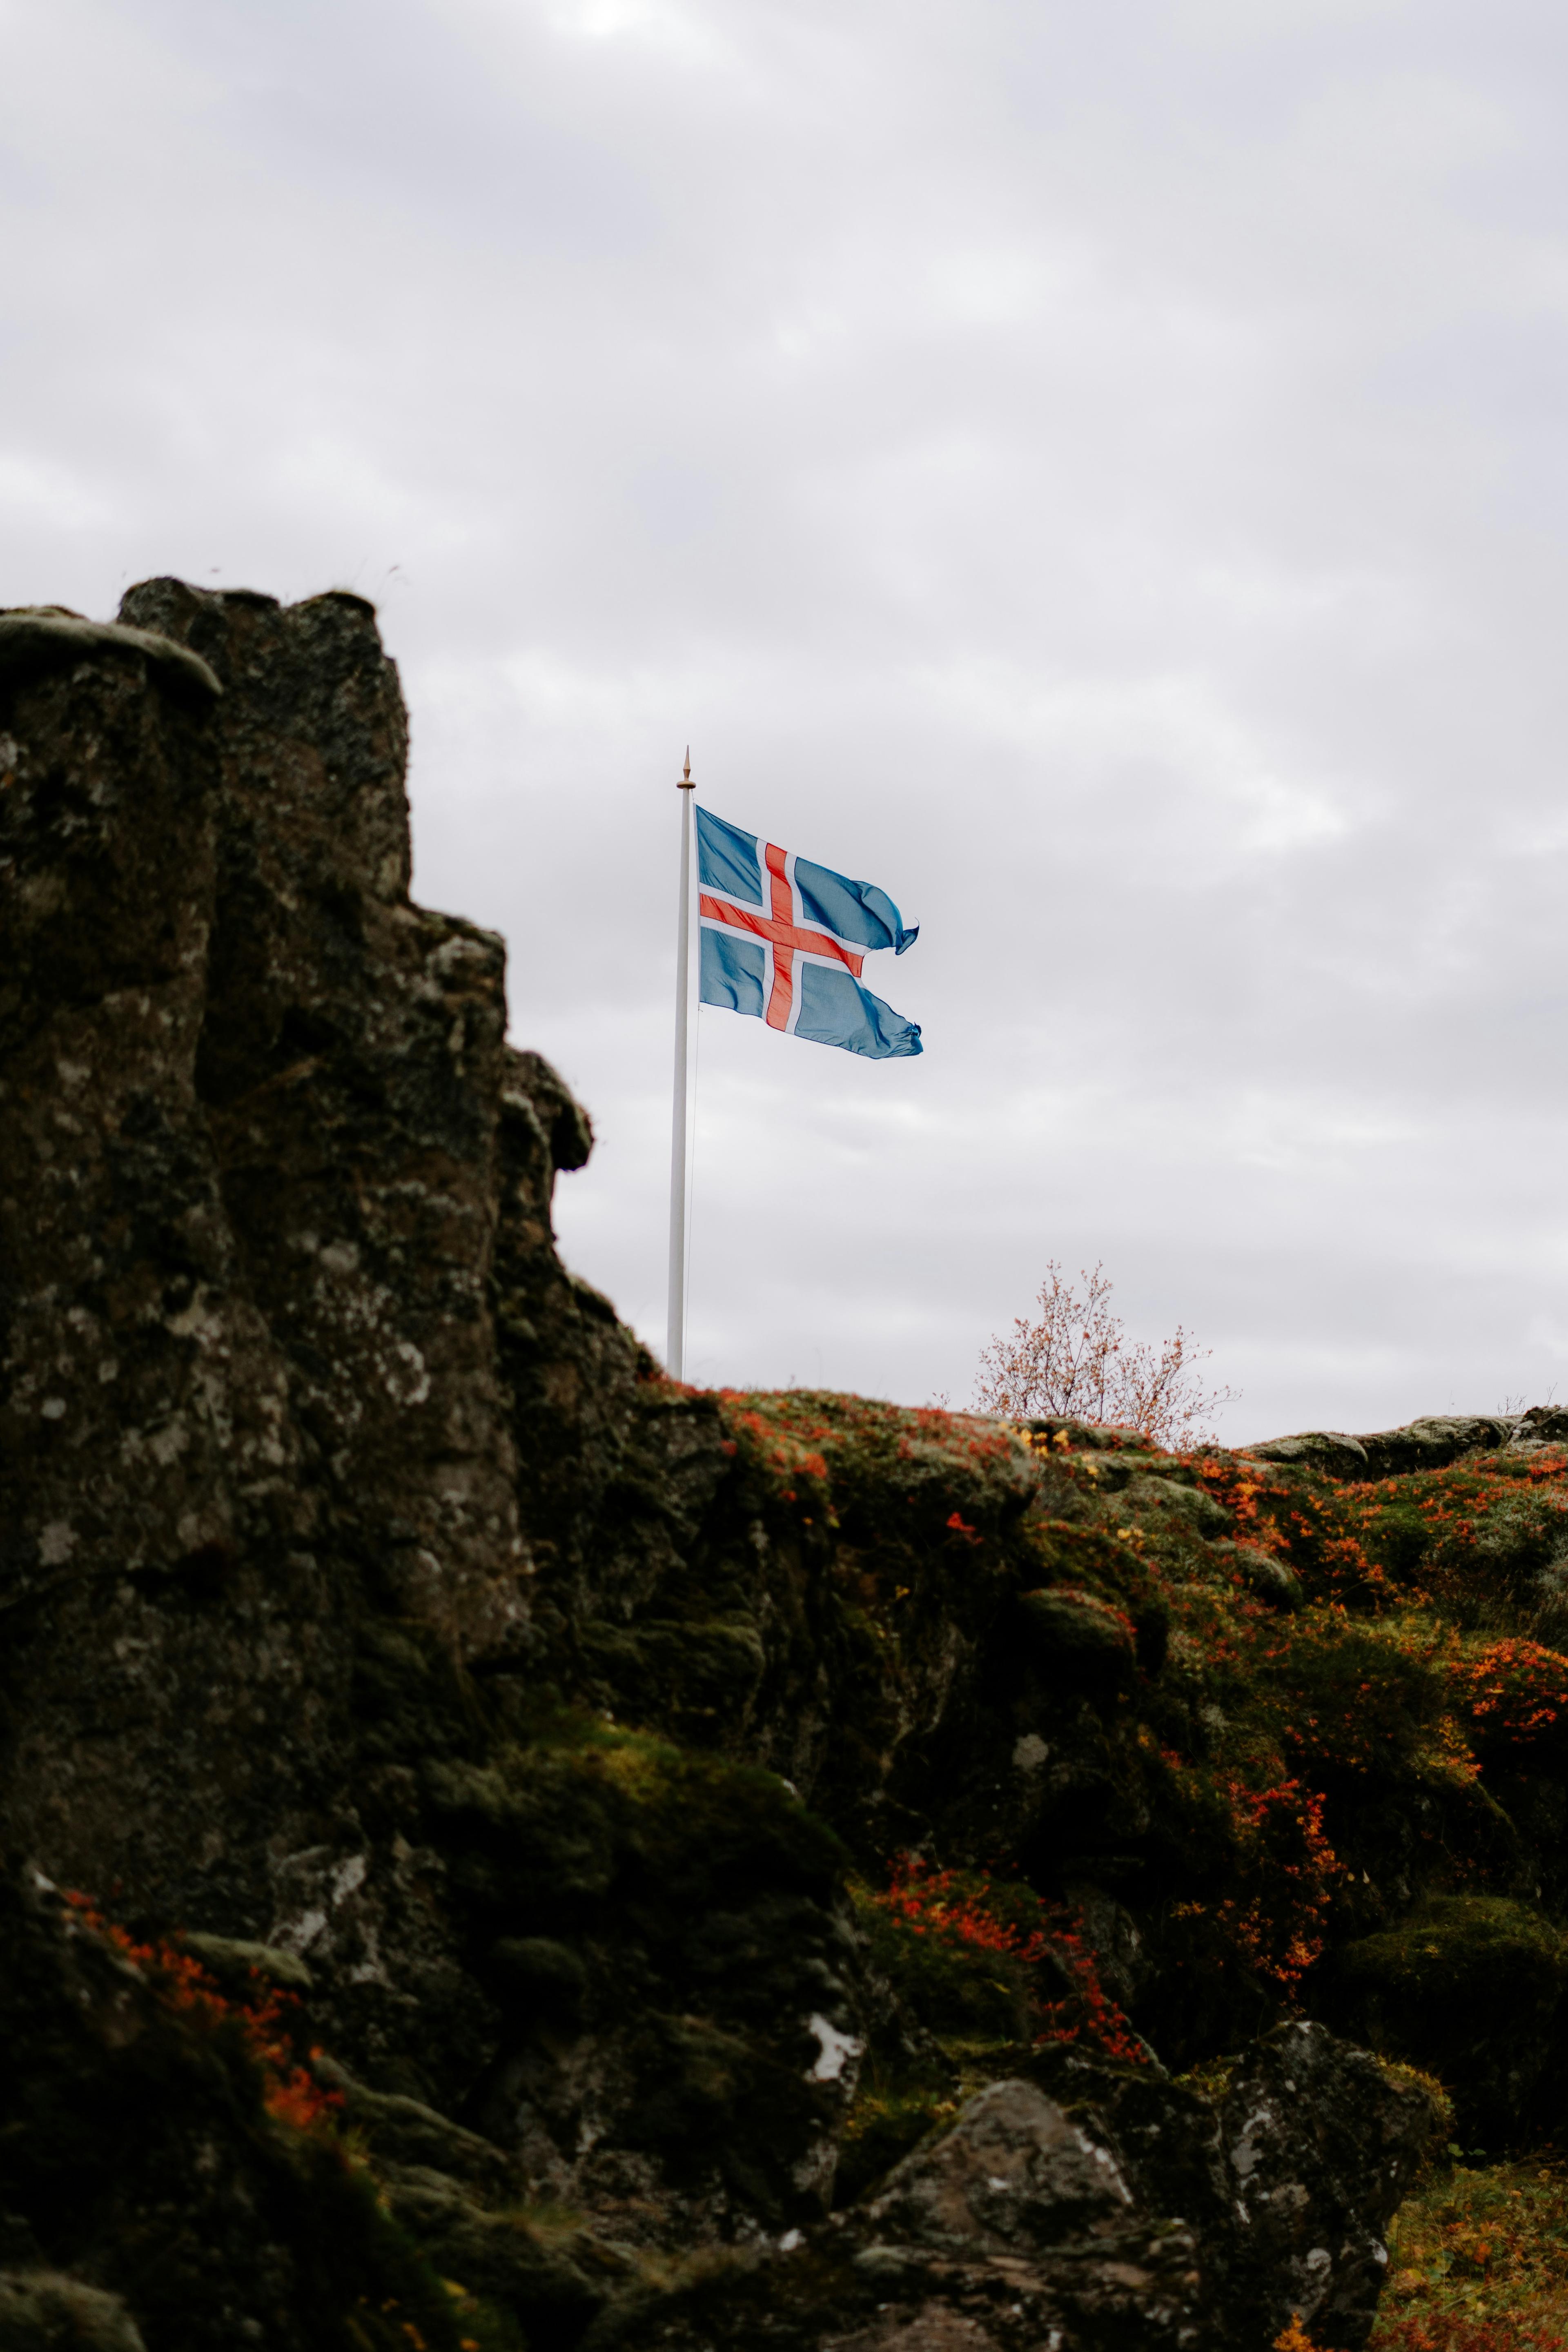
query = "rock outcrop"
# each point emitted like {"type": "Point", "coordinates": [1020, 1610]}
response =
{"type": "Point", "coordinates": [742, 1865]}
{"type": "Point", "coordinates": [1120, 2212]}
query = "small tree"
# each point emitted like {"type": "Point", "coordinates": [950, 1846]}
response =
{"type": "Point", "coordinates": [1075, 1359]}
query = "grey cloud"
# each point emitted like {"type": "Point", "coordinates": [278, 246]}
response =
{"type": "Point", "coordinates": [1096, 472]}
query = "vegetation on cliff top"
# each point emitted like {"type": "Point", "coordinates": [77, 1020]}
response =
{"type": "Point", "coordinates": [1308, 1732]}
{"type": "Point", "coordinates": [1101, 1744]}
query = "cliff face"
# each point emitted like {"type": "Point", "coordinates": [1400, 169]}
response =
{"type": "Point", "coordinates": [251, 1115]}
{"type": "Point", "coordinates": [535, 1739]}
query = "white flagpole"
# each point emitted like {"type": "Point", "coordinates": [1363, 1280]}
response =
{"type": "Point", "coordinates": [675, 1351]}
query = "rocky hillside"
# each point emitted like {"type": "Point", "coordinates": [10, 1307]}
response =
{"type": "Point", "coordinates": [503, 1850]}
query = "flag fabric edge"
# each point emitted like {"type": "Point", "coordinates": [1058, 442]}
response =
{"type": "Point", "coordinates": [784, 938]}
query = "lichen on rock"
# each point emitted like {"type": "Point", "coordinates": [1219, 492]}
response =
{"type": "Point", "coordinates": [556, 1738]}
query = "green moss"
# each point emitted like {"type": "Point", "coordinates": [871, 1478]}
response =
{"type": "Point", "coordinates": [1463, 1956]}
{"type": "Point", "coordinates": [548, 1976]}
{"type": "Point", "coordinates": [681, 1902]}
{"type": "Point", "coordinates": [1076, 1638]}
{"type": "Point", "coordinates": [957, 1990]}
{"type": "Point", "coordinates": [594, 1823]}
{"type": "Point", "coordinates": [1354, 1698]}
{"type": "Point", "coordinates": [1122, 1651]}
{"type": "Point", "coordinates": [1467, 1988]}
{"type": "Point", "coordinates": [882, 2129]}
{"type": "Point", "coordinates": [854, 1461]}
{"type": "Point", "coordinates": [1210, 2081]}
{"type": "Point", "coordinates": [1438, 2152]}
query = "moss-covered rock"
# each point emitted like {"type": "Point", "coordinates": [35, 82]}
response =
{"type": "Point", "coordinates": [1469, 1988]}
{"type": "Point", "coordinates": [45, 2311]}
{"type": "Point", "coordinates": [139, 2147]}
{"type": "Point", "coordinates": [1077, 1640]}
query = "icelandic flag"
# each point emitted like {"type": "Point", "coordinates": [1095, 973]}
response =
{"type": "Point", "coordinates": [786, 940]}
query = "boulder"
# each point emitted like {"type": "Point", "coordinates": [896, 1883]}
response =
{"type": "Point", "coordinates": [1427, 1444]}
{"type": "Point", "coordinates": [1469, 1988]}
{"type": "Point", "coordinates": [1115, 2210]}
{"type": "Point", "coordinates": [45, 2311]}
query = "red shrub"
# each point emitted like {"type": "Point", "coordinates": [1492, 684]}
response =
{"type": "Point", "coordinates": [290, 2092]}
{"type": "Point", "coordinates": [969, 1911]}
{"type": "Point", "coordinates": [1513, 1695]}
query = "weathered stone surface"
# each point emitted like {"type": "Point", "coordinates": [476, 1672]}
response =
{"type": "Point", "coordinates": [1427, 1444]}
{"type": "Point", "coordinates": [45, 2311]}
{"type": "Point", "coordinates": [156, 2199]}
{"type": "Point", "coordinates": [1319, 2146]}
{"type": "Point", "coordinates": [1123, 2212]}
{"type": "Point", "coordinates": [252, 1412]}
{"type": "Point", "coordinates": [378, 1613]}
{"type": "Point", "coordinates": [350, 1067]}
{"type": "Point", "coordinates": [156, 1494]}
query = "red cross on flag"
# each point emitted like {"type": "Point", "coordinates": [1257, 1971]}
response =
{"type": "Point", "coordinates": [786, 939]}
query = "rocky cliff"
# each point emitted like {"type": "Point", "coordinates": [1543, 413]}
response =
{"type": "Point", "coordinates": [504, 1848]}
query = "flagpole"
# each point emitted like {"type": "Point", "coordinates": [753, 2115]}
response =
{"type": "Point", "coordinates": [675, 1351]}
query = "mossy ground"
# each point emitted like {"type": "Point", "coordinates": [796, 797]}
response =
{"type": "Point", "coordinates": [1483, 2249]}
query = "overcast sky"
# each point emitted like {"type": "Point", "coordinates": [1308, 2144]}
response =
{"type": "Point", "coordinates": [1097, 472]}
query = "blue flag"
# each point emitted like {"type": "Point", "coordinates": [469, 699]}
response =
{"type": "Point", "coordinates": [786, 940]}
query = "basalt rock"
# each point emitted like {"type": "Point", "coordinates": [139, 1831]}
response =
{"type": "Point", "coordinates": [248, 1142]}
{"type": "Point", "coordinates": [1429, 1444]}
{"type": "Point", "coordinates": [539, 1734]}
{"type": "Point", "coordinates": [1115, 2211]}
{"type": "Point", "coordinates": [150, 2197]}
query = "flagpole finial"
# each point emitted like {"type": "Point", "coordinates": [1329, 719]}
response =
{"type": "Point", "coordinates": [684, 784]}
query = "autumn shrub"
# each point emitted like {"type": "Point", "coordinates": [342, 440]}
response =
{"type": "Point", "coordinates": [263, 2022]}
{"type": "Point", "coordinates": [1285, 1877]}
{"type": "Point", "coordinates": [1270, 1872]}
{"type": "Point", "coordinates": [1474, 1538]}
{"type": "Point", "coordinates": [1512, 1697]}
{"type": "Point", "coordinates": [1491, 1533]}
{"type": "Point", "coordinates": [1357, 1698]}
{"type": "Point", "coordinates": [985, 1959]}
{"type": "Point", "coordinates": [1469, 1538]}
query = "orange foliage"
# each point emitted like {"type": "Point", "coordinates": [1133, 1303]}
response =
{"type": "Point", "coordinates": [1280, 1931]}
{"type": "Point", "coordinates": [964, 1909]}
{"type": "Point", "coordinates": [290, 2093]}
{"type": "Point", "coordinates": [1453, 2331]}
{"type": "Point", "coordinates": [1513, 1691]}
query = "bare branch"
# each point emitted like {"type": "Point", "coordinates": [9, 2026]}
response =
{"type": "Point", "coordinates": [1075, 1359]}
